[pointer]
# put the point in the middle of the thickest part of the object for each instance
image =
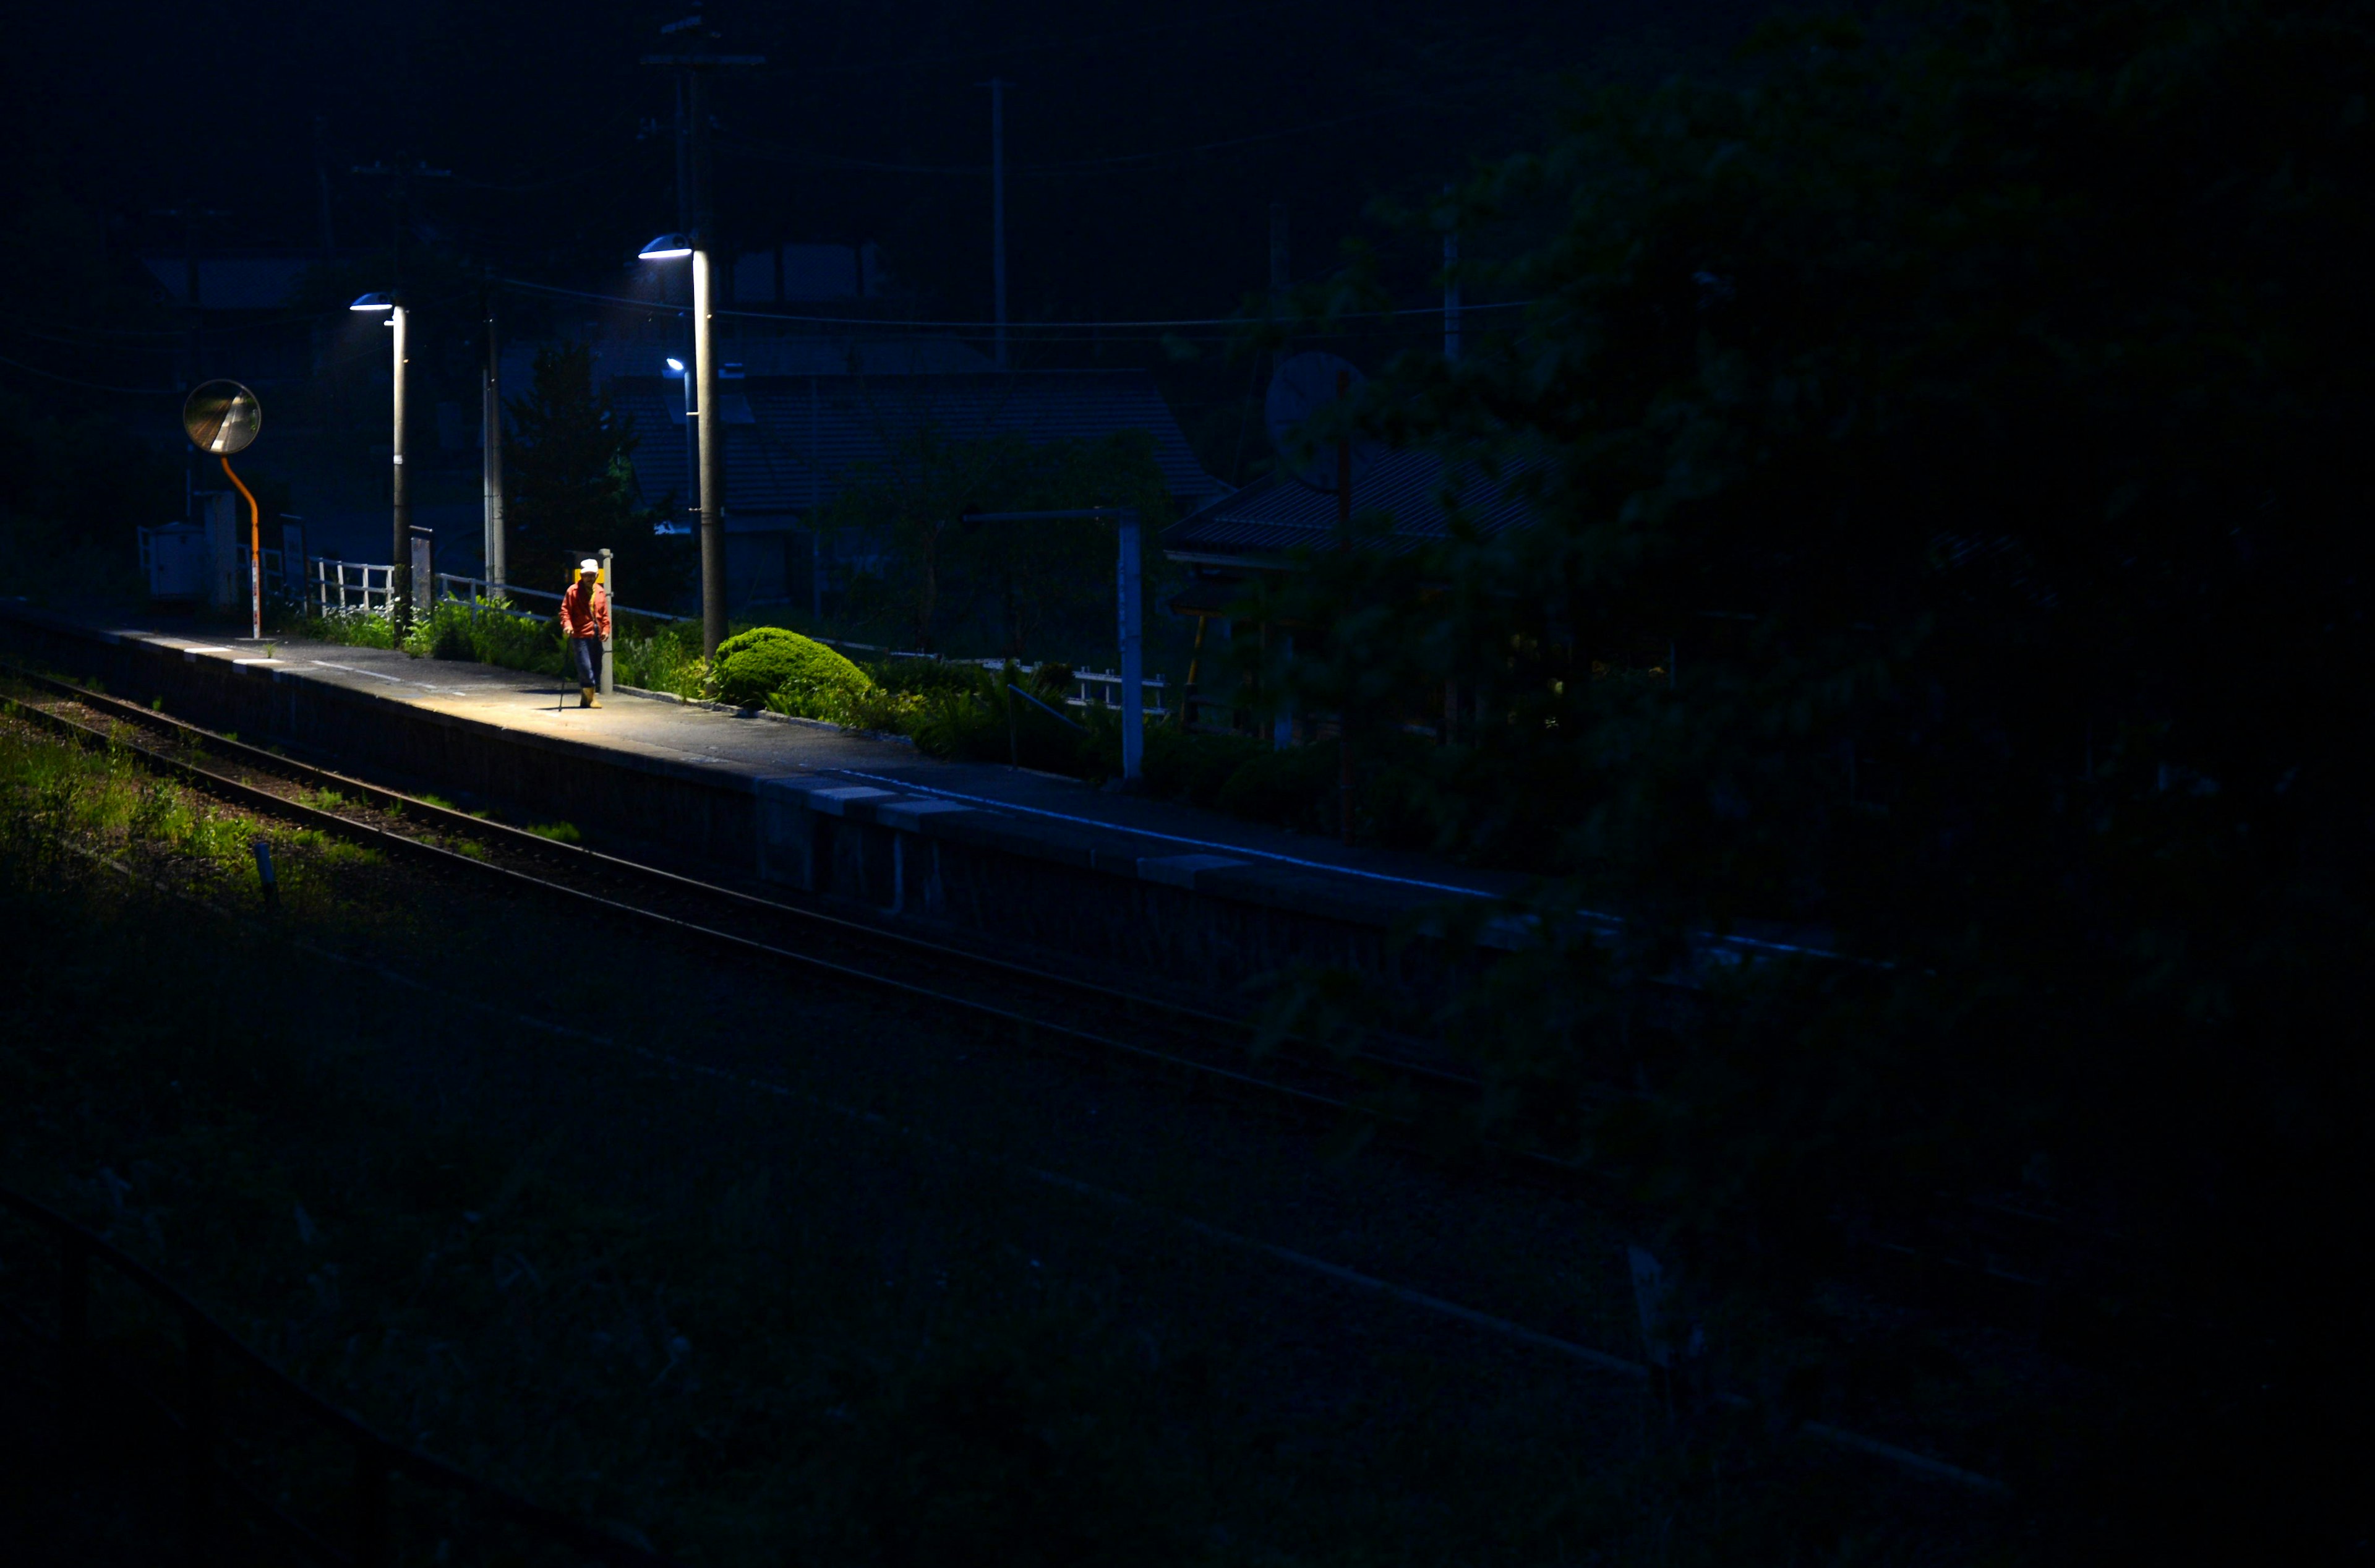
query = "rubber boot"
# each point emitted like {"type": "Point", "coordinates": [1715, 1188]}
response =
{"type": "Point", "coordinates": [586, 697]}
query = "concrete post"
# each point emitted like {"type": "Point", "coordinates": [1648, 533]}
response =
{"type": "Point", "coordinates": [491, 428]}
{"type": "Point", "coordinates": [399, 569]}
{"type": "Point", "coordinates": [713, 486]}
{"type": "Point", "coordinates": [1133, 650]}
{"type": "Point", "coordinates": [1281, 724]}
{"type": "Point", "coordinates": [1451, 291]}
{"type": "Point", "coordinates": [611, 589]}
{"type": "Point", "coordinates": [998, 87]}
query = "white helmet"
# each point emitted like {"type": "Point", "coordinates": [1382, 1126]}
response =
{"type": "Point", "coordinates": [589, 564]}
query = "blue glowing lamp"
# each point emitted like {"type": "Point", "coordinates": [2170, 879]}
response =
{"type": "Point", "coordinates": [667, 247]}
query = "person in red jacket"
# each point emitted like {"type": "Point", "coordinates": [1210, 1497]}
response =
{"type": "Point", "coordinates": [586, 622]}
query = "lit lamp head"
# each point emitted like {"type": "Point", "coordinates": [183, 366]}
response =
{"type": "Point", "coordinates": [675, 367]}
{"type": "Point", "coordinates": [376, 305]}
{"type": "Point", "coordinates": [666, 247]}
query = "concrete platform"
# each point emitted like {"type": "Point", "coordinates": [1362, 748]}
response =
{"type": "Point", "coordinates": [1019, 859]}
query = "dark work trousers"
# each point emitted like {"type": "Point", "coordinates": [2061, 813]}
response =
{"type": "Point", "coordinates": [586, 657]}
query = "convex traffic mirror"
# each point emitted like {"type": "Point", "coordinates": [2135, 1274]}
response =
{"type": "Point", "coordinates": [222, 418]}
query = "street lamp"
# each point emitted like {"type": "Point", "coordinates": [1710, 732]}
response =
{"type": "Point", "coordinates": [709, 485]}
{"type": "Point", "coordinates": [400, 569]}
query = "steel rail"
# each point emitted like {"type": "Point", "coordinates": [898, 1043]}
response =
{"type": "Point", "coordinates": [1227, 1030]}
{"type": "Point", "coordinates": [267, 801]}
{"type": "Point", "coordinates": [533, 844]}
{"type": "Point", "coordinates": [263, 800]}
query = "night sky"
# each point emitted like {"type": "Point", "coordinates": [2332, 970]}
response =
{"type": "Point", "coordinates": [867, 123]}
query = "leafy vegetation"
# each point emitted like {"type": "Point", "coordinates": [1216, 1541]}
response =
{"type": "Point", "coordinates": [1967, 422]}
{"type": "Point", "coordinates": [736, 1326]}
{"type": "Point", "coordinates": [77, 485]}
{"type": "Point", "coordinates": [572, 490]}
{"type": "Point", "coordinates": [767, 659]}
{"type": "Point", "coordinates": [932, 581]}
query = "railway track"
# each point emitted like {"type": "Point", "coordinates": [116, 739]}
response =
{"type": "Point", "coordinates": [1200, 1046]}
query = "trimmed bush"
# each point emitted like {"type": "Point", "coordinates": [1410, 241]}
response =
{"type": "Point", "coordinates": [765, 660]}
{"type": "Point", "coordinates": [922, 677]}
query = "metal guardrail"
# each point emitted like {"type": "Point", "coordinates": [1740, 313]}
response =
{"type": "Point", "coordinates": [205, 1344]}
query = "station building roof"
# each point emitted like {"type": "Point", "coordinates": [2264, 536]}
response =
{"type": "Point", "coordinates": [1265, 525]}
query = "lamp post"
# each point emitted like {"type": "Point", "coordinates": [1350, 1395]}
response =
{"type": "Point", "coordinates": [399, 569]}
{"type": "Point", "coordinates": [708, 462]}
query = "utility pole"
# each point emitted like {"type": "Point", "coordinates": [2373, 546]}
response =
{"type": "Point", "coordinates": [997, 85]}
{"type": "Point", "coordinates": [400, 561]}
{"type": "Point", "coordinates": [192, 215]}
{"type": "Point", "coordinates": [322, 179]}
{"type": "Point", "coordinates": [399, 569]}
{"type": "Point", "coordinates": [1451, 287]}
{"type": "Point", "coordinates": [683, 153]}
{"type": "Point", "coordinates": [1344, 545]}
{"type": "Point", "coordinates": [490, 438]}
{"type": "Point", "coordinates": [713, 456]}
{"type": "Point", "coordinates": [694, 66]}
{"type": "Point", "coordinates": [189, 212]}
{"type": "Point", "coordinates": [399, 572]}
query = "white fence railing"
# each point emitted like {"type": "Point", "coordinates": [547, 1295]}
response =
{"type": "Point", "coordinates": [329, 584]}
{"type": "Point", "coordinates": [334, 584]}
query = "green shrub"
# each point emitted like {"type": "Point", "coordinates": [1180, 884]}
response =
{"type": "Point", "coordinates": [920, 676]}
{"type": "Point", "coordinates": [1293, 788]}
{"type": "Point", "coordinates": [767, 659]}
{"type": "Point", "coordinates": [350, 626]}
{"type": "Point", "coordinates": [1194, 767]}
{"type": "Point", "coordinates": [668, 659]}
{"type": "Point", "coordinates": [492, 636]}
{"type": "Point", "coordinates": [965, 725]}
{"type": "Point", "coordinates": [869, 708]}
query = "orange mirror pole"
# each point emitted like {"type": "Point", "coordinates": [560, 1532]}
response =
{"type": "Point", "coordinates": [254, 554]}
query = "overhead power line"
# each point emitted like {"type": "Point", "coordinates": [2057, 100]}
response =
{"type": "Point", "coordinates": [1002, 51]}
{"type": "Point", "coordinates": [1078, 166]}
{"type": "Point", "coordinates": [778, 152]}
{"type": "Point", "coordinates": [92, 385]}
{"type": "Point", "coordinates": [988, 326]}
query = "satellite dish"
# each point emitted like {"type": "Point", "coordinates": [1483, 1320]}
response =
{"type": "Point", "coordinates": [222, 418]}
{"type": "Point", "coordinates": [1302, 386]}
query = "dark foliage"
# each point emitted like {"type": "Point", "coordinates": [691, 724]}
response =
{"type": "Point", "coordinates": [1971, 433]}
{"type": "Point", "coordinates": [1019, 587]}
{"type": "Point", "coordinates": [78, 484]}
{"type": "Point", "coordinates": [572, 492]}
